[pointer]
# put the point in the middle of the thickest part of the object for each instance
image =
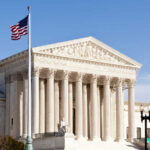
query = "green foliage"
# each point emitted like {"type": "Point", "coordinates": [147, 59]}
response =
{"type": "Point", "coordinates": [8, 143]}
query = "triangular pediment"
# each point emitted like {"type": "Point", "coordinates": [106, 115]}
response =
{"type": "Point", "coordinates": [88, 49]}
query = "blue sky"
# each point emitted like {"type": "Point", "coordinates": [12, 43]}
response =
{"type": "Point", "coordinates": [123, 25]}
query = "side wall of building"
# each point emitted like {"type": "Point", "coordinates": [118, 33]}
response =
{"type": "Point", "coordinates": [2, 116]}
{"type": "Point", "coordinates": [140, 126]}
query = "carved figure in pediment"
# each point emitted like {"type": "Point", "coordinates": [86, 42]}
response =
{"type": "Point", "coordinates": [70, 51]}
{"type": "Point", "coordinates": [88, 51]}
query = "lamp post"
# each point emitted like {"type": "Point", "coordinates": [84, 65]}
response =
{"type": "Point", "coordinates": [145, 118]}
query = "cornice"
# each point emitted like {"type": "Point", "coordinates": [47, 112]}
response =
{"type": "Point", "coordinates": [14, 58]}
{"type": "Point", "coordinates": [128, 62]}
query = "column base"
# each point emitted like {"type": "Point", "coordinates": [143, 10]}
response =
{"type": "Point", "coordinates": [96, 139]}
{"type": "Point", "coordinates": [33, 136]}
{"type": "Point", "coordinates": [119, 140]}
{"type": "Point", "coordinates": [108, 139]}
{"type": "Point", "coordinates": [69, 135]}
{"type": "Point", "coordinates": [29, 145]}
{"type": "Point", "coordinates": [80, 138]}
{"type": "Point", "coordinates": [130, 140]}
{"type": "Point", "coordinates": [85, 137]}
{"type": "Point", "coordinates": [24, 136]}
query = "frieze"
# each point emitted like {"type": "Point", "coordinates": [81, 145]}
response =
{"type": "Point", "coordinates": [85, 67]}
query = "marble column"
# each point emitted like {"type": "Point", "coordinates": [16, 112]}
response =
{"type": "Point", "coordinates": [78, 99]}
{"type": "Point", "coordinates": [131, 111]}
{"type": "Point", "coordinates": [119, 111]}
{"type": "Point", "coordinates": [102, 113]}
{"type": "Point", "coordinates": [7, 122]}
{"type": "Point", "coordinates": [85, 112]}
{"type": "Point", "coordinates": [64, 96]}
{"type": "Point", "coordinates": [50, 102]}
{"type": "Point", "coordinates": [56, 96]}
{"type": "Point", "coordinates": [18, 103]}
{"type": "Point", "coordinates": [93, 96]}
{"type": "Point", "coordinates": [106, 109]}
{"type": "Point", "coordinates": [70, 99]}
{"type": "Point", "coordinates": [25, 104]}
{"type": "Point", "coordinates": [12, 107]}
{"type": "Point", "coordinates": [42, 107]}
{"type": "Point", "coordinates": [98, 111]}
{"type": "Point", "coordinates": [21, 114]}
{"type": "Point", "coordinates": [35, 102]}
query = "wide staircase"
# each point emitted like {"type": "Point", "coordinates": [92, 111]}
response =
{"type": "Point", "coordinates": [96, 145]}
{"type": "Point", "coordinates": [61, 143]}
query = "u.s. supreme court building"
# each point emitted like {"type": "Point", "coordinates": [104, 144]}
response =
{"type": "Point", "coordinates": [77, 94]}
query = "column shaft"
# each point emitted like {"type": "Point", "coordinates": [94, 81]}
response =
{"type": "Point", "coordinates": [42, 106]}
{"type": "Point", "coordinates": [107, 109]}
{"type": "Point", "coordinates": [78, 95]}
{"type": "Point", "coordinates": [21, 114]}
{"type": "Point", "coordinates": [85, 113]}
{"type": "Point", "coordinates": [56, 118]}
{"type": "Point", "coordinates": [25, 105]}
{"type": "Point", "coordinates": [7, 123]}
{"type": "Point", "coordinates": [119, 112]}
{"type": "Point", "coordinates": [98, 111]}
{"type": "Point", "coordinates": [35, 104]}
{"type": "Point", "coordinates": [50, 103]}
{"type": "Point", "coordinates": [64, 97]}
{"type": "Point", "coordinates": [131, 112]}
{"type": "Point", "coordinates": [93, 93]}
{"type": "Point", "coordinates": [71, 107]}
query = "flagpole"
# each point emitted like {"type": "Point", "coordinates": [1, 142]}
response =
{"type": "Point", "coordinates": [29, 145]}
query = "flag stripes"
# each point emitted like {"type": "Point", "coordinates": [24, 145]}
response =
{"type": "Point", "coordinates": [19, 29]}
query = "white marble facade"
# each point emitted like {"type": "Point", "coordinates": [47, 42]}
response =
{"type": "Point", "coordinates": [73, 81]}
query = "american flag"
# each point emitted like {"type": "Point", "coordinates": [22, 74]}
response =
{"type": "Point", "coordinates": [21, 28]}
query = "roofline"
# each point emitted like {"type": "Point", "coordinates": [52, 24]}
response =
{"type": "Point", "coordinates": [115, 51]}
{"type": "Point", "coordinates": [88, 39]}
{"type": "Point", "coordinates": [3, 61]}
{"type": "Point", "coordinates": [75, 41]}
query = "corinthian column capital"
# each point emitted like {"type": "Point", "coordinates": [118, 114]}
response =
{"type": "Point", "coordinates": [25, 75]}
{"type": "Point", "coordinates": [35, 72]}
{"type": "Point", "coordinates": [66, 74]}
{"type": "Point", "coordinates": [79, 76]}
{"type": "Point", "coordinates": [106, 80]}
{"type": "Point", "coordinates": [131, 83]}
{"type": "Point", "coordinates": [7, 79]}
{"type": "Point", "coordinates": [93, 78]}
{"type": "Point", "coordinates": [13, 77]}
{"type": "Point", "coordinates": [119, 82]}
{"type": "Point", "coordinates": [50, 73]}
